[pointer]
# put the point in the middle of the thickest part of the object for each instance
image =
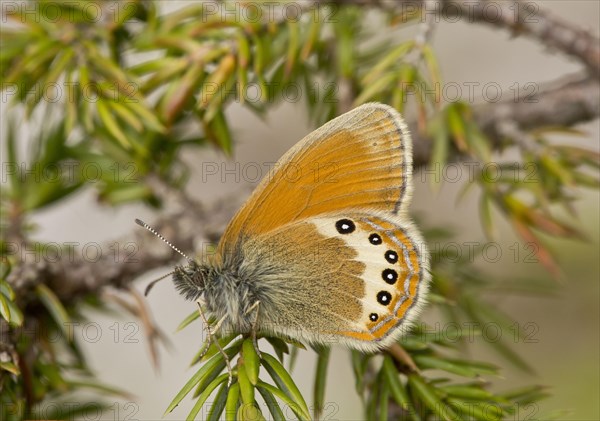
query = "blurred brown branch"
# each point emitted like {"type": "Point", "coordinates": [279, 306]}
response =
{"type": "Point", "coordinates": [528, 19]}
{"type": "Point", "coordinates": [521, 18]}
{"type": "Point", "coordinates": [559, 104]}
{"type": "Point", "coordinates": [185, 222]}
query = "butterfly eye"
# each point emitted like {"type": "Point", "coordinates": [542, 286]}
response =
{"type": "Point", "coordinates": [390, 276]}
{"type": "Point", "coordinates": [373, 317]}
{"type": "Point", "coordinates": [375, 239]}
{"type": "Point", "coordinates": [345, 226]}
{"type": "Point", "coordinates": [391, 256]}
{"type": "Point", "coordinates": [384, 297]}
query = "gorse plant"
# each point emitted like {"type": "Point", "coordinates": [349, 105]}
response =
{"type": "Point", "coordinates": [120, 89]}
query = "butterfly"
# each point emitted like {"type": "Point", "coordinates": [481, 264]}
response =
{"type": "Point", "coordinates": [324, 250]}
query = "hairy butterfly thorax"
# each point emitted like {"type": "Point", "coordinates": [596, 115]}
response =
{"type": "Point", "coordinates": [228, 287]}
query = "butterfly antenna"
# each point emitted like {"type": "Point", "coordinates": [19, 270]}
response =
{"type": "Point", "coordinates": [151, 284]}
{"type": "Point", "coordinates": [153, 231]}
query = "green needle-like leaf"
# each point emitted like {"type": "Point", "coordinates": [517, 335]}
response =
{"type": "Point", "coordinates": [472, 392]}
{"type": "Point", "coordinates": [461, 367]}
{"type": "Point", "coordinates": [218, 405]}
{"type": "Point", "coordinates": [56, 310]}
{"type": "Point", "coordinates": [188, 320]}
{"type": "Point", "coordinates": [427, 394]}
{"type": "Point", "coordinates": [4, 308]}
{"type": "Point", "coordinates": [321, 380]}
{"type": "Point", "coordinates": [205, 394]}
{"type": "Point", "coordinates": [484, 411]}
{"type": "Point", "coordinates": [111, 124]}
{"type": "Point", "coordinates": [246, 387]}
{"type": "Point", "coordinates": [272, 404]}
{"type": "Point", "coordinates": [302, 413]}
{"type": "Point", "coordinates": [251, 360]}
{"type": "Point", "coordinates": [397, 389]}
{"type": "Point", "coordinates": [281, 348]}
{"type": "Point", "coordinates": [204, 371]}
{"type": "Point", "coordinates": [284, 381]}
{"type": "Point", "coordinates": [231, 405]}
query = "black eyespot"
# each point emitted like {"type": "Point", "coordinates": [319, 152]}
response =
{"type": "Point", "coordinates": [375, 239]}
{"type": "Point", "coordinates": [345, 226]}
{"type": "Point", "coordinates": [373, 317]}
{"type": "Point", "coordinates": [391, 256]}
{"type": "Point", "coordinates": [384, 297]}
{"type": "Point", "coordinates": [390, 276]}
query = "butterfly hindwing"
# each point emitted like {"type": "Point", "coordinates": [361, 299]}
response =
{"type": "Point", "coordinates": [355, 278]}
{"type": "Point", "coordinates": [395, 275]}
{"type": "Point", "coordinates": [309, 282]}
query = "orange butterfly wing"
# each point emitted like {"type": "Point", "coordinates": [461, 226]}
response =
{"type": "Point", "coordinates": [362, 159]}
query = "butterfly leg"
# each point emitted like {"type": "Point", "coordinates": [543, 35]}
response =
{"type": "Point", "coordinates": [206, 344]}
{"type": "Point", "coordinates": [218, 325]}
{"type": "Point", "coordinates": [255, 307]}
{"type": "Point", "coordinates": [212, 339]}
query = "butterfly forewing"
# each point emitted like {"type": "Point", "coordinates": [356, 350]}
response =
{"type": "Point", "coordinates": [360, 160]}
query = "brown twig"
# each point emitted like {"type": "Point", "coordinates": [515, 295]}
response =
{"type": "Point", "coordinates": [558, 104]}
{"type": "Point", "coordinates": [520, 18]}
{"type": "Point", "coordinates": [529, 19]}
